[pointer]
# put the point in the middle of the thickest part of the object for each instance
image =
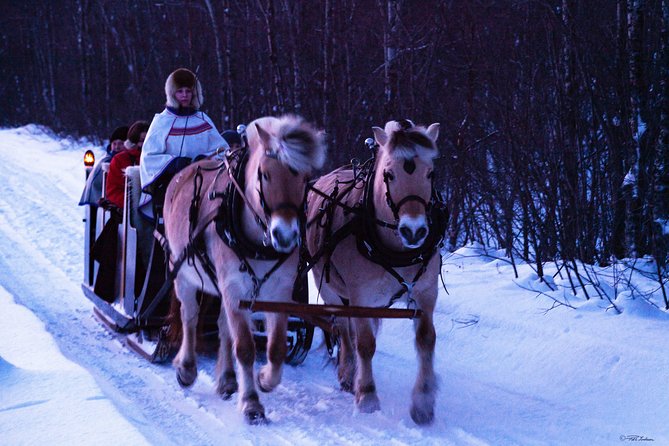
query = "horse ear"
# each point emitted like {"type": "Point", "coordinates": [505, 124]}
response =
{"type": "Point", "coordinates": [380, 136]}
{"type": "Point", "coordinates": [433, 131]}
{"type": "Point", "coordinates": [263, 135]}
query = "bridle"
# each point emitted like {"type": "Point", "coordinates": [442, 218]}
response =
{"type": "Point", "coordinates": [236, 174]}
{"type": "Point", "coordinates": [395, 207]}
{"type": "Point", "coordinates": [267, 209]}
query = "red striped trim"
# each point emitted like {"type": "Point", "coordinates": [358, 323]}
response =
{"type": "Point", "coordinates": [190, 130]}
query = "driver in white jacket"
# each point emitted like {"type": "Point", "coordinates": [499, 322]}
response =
{"type": "Point", "coordinates": [178, 134]}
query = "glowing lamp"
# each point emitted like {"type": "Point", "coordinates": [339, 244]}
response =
{"type": "Point", "coordinates": [89, 158]}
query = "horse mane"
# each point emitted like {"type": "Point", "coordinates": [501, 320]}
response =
{"type": "Point", "coordinates": [407, 140]}
{"type": "Point", "coordinates": [298, 144]}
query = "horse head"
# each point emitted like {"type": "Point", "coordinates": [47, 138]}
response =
{"type": "Point", "coordinates": [284, 153]}
{"type": "Point", "coordinates": [404, 176]}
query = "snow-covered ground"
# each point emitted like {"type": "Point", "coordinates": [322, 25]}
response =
{"type": "Point", "coordinates": [511, 372]}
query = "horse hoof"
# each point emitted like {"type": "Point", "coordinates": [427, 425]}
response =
{"type": "Point", "coordinates": [422, 417]}
{"type": "Point", "coordinates": [263, 388]}
{"type": "Point", "coordinates": [227, 386]}
{"type": "Point", "coordinates": [263, 385]}
{"type": "Point", "coordinates": [346, 386]}
{"type": "Point", "coordinates": [227, 390]}
{"type": "Point", "coordinates": [186, 377]}
{"type": "Point", "coordinates": [255, 417]}
{"type": "Point", "coordinates": [367, 402]}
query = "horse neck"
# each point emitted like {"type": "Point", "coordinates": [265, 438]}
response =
{"type": "Point", "coordinates": [382, 211]}
{"type": "Point", "coordinates": [251, 228]}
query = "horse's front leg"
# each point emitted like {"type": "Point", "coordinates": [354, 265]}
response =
{"type": "Point", "coordinates": [269, 375]}
{"type": "Point", "coordinates": [226, 378]}
{"type": "Point", "coordinates": [245, 352]}
{"type": "Point", "coordinates": [185, 361]}
{"type": "Point", "coordinates": [365, 390]}
{"type": "Point", "coordinates": [425, 388]}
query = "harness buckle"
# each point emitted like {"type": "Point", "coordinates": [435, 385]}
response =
{"type": "Point", "coordinates": [409, 288]}
{"type": "Point", "coordinates": [257, 283]}
{"type": "Point", "coordinates": [411, 302]}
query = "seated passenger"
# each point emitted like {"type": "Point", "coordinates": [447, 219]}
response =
{"type": "Point", "coordinates": [115, 189]}
{"type": "Point", "coordinates": [176, 136]}
{"type": "Point", "coordinates": [233, 139]}
{"type": "Point", "coordinates": [93, 189]}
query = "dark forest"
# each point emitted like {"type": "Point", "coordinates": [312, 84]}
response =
{"type": "Point", "coordinates": [554, 113]}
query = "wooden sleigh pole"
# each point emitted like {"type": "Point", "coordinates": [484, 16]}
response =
{"type": "Point", "coordinates": [322, 315]}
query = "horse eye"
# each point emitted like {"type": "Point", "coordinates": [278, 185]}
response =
{"type": "Point", "coordinates": [265, 176]}
{"type": "Point", "coordinates": [390, 175]}
{"type": "Point", "coordinates": [293, 171]}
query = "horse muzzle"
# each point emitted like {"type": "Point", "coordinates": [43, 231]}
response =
{"type": "Point", "coordinates": [413, 231]}
{"type": "Point", "coordinates": [284, 234]}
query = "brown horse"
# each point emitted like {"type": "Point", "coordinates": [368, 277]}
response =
{"type": "Point", "coordinates": [374, 237]}
{"type": "Point", "coordinates": [232, 231]}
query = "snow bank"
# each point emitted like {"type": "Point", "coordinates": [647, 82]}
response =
{"type": "Point", "coordinates": [44, 397]}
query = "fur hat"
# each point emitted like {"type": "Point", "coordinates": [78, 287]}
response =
{"type": "Point", "coordinates": [119, 133]}
{"type": "Point", "coordinates": [179, 78]}
{"type": "Point", "coordinates": [134, 133]}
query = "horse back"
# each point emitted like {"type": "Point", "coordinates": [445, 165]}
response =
{"type": "Point", "coordinates": [318, 205]}
{"type": "Point", "coordinates": [199, 179]}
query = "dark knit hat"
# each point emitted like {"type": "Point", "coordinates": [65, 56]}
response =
{"type": "Point", "coordinates": [232, 137]}
{"type": "Point", "coordinates": [136, 130]}
{"type": "Point", "coordinates": [119, 133]}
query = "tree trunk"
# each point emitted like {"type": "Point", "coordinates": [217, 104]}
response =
{"type": "Point", "coordinates": [223, 119]}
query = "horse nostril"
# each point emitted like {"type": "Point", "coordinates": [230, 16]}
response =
{"type": "Point", "coordinates": [405, 232]}
{"type": "Point", "coordinates": [282, 238]}
{"type": "Point", "coordinates": [421, 233]}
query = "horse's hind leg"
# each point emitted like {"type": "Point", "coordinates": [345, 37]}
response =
{"type": "Point", "coordinates": [365, 390]}
{"type": "Point", "coordinates": [269, 375]}
{"type": "Point", "coordinates": [245, 352]}
{"type": "Point", "coordinates": [425, 388]}
{"type": "Point", "coordinates": [185, 360]}
{"type": "Point", "coordinates": [226, 379]}
{"type": "Point", "coordinates": [346, 355]}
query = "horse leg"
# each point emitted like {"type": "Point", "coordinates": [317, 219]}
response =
{"type": "Point", "coordinates": [365, 390]}
{"type": "Point", "coordinates": [425, 388]}
{"type": "Point", "coordinates": [346, 357]}
{"type": "Point", "coordinates": [245, 352]}
{"type": "Point", "coordinates": [226, 378]}
{"type": "Point", "coordinates": [269, 375]}
{"type": "Point", "coordinates": [185, 361]}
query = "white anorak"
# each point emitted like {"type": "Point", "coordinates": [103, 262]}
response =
{"type": "Point", "coordinates": [171, 135]}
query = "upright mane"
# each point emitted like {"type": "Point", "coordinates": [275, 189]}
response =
{"type": "Point", "coordinates": [407, 140]}
{"type": "Point", "coordinates": [295, 142]}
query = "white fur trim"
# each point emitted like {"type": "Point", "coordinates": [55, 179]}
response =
{"type": "Point", "coordinates": [171, 88]}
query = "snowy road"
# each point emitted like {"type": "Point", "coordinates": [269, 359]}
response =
{"type": "Point", "coordinates": [509, 373]}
